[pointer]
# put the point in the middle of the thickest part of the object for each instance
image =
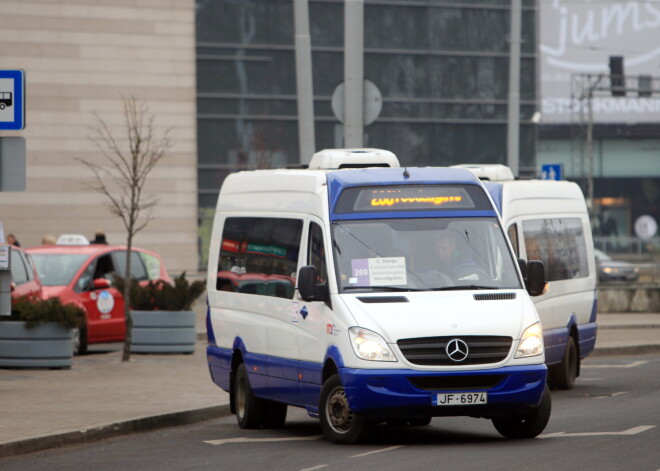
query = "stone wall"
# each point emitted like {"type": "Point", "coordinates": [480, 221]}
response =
{"type": "Point", "coordinates": [82, 56]}
{"type": "Point", "coordinates": [628, 298]}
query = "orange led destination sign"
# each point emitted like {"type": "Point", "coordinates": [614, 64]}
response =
{"type": "Point", "coordinates": [404, 198]}
{"type": "Point", "coordinates": [435, 200]}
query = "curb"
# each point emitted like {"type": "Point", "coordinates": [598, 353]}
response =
{"type": "Point", "coordinates": [112, 430]}
{"type": "Point", "coordinates": [626, 350]}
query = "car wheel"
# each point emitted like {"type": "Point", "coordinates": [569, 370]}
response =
{"type": "Point", "coordinates": [339, 423]}
{"type": "Point", "coordinates": [249, 409]}
{"type": "Point", "coordinates": [528, 425]}
{"type": "Point", "coordinates": [79, 338]}
{"type": "Point", "coordinates": [274, 414]}
{"type": "Point", "coordinates": [563, 375]}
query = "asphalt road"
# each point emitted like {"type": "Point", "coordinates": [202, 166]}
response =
{"type": "Point", "coordinates": [610, 421]}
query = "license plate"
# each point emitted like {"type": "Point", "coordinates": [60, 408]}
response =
{"type": "Point", "coordinates": [460, 399]}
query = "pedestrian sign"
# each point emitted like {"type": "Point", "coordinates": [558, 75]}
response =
{"type": "Point", "coordinates": [12, 100]}
{"type": "Point", "coordinates": [552, 172]}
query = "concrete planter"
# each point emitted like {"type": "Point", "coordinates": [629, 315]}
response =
{"type": "Point", "coordinates": [163, 332]}
{"type": "Point", "coordinates": [44, 346]}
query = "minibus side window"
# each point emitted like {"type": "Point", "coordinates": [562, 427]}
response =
{"type": "Point", "coordinates": [316, 252]}
{"type": "Point", "coordinates": [560, 244]}
{"type": "Point", "coordinates": [259, 256]}
{"type": "Point", "coordinates": [512, 232]}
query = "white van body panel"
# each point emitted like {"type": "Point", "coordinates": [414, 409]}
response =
{"type": "Point", "coordinates": [566, 302]}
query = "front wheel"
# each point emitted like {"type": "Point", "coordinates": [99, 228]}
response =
{"type": "Point", "coordinates": [249, 409]}
{"type": "Point", "coordinates": [563, 375]}
{"type": "Point", "coordinates": [79, 339]}
{"type": "Point", "coordinates": [339, 423]}
{"type": "Point", "coordinates": [529, 425]}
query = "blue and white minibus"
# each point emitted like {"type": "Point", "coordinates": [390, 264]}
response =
{"type": "Point", "coordinates": [369, 293]}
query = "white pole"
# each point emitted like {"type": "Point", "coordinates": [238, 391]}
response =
{"type": "Point", "coordinates": [353, 73]}
{"type": "Point", "coordinates": [513, 122]}
{"type": "Point", "coordinates": [304, 87]}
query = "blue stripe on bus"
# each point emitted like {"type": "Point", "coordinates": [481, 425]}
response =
{"type": "Point", "coordinates": [367, 389]}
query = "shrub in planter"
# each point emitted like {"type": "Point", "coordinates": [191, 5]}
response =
{"type": "Point", "coordinates": [38, 333]}
{"type": "Point", "coordinates": [163, 321]}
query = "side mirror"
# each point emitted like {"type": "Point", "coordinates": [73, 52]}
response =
{"type": "Point", "coordinates": [535, 280]}
{"type": "Point", "coordinates": [101, 283]}
{"type": "Point", "coordinates": [308, 287]}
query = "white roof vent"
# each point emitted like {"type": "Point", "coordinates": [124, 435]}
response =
{"type": "Point", "coordinates": [353, 158]}
{"type": "Point", "coordinates": [492, 172]}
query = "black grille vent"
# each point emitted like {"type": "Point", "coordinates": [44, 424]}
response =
{"type": "Point", "coordinates": [494, 296]}
{"type": "Point", "coordinates": [430, 351]}
{"type": "Point", "coordinates": [456, 383]}
{"type": "Point", "coordinates": [383, 299]}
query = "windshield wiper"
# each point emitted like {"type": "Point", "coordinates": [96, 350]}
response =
{"type": "Point", "coordinates": [381, 288]}
{"type": "Point", "coordinates": [463, 287]}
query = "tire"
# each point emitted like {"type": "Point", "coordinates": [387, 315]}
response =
{"type": "Point", "coordinates": [249, 409]}
{"type": "Point", "coordinates": [79, 339]}
{"type": "Point", "coordinates": [530, 425]}
{"type": "Point", "coordinates": [338, 422]}
{"type": "Point", "coordinates": [563, 375]}
{"type": "Point", "coordinates": [274, 414]}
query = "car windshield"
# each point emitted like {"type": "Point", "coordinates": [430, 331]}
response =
{"type": "Point", "coordinates": [421, 254]}
{"type": "Point", "coordinates": [57, 269]}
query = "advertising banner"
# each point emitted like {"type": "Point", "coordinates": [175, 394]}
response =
{"type": "Point", "coordinates": [578, 37]}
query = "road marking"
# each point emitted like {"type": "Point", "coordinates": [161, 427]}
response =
{"type": "Point", "coordinates": [634, 364]}
{"type": "Point", "coordinates": [377, 451]}
{"type": "Point", "coordinates": [262, 440]}
{"type": "Point", "coordinates": [631, 431]}
{"type": "Point", "coordinates": [315, 467]}
{"type": "Point", "coordinates": [611, 395]}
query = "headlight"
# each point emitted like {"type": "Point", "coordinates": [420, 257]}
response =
{"type": "Point", "coordinates": [531, 342]}
{"type": "Point", "coordinates": [369, 345]}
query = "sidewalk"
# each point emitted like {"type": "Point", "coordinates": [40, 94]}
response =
{"type": "Point", "coordinates": [100, 396]}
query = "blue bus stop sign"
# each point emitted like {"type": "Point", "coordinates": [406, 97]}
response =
{"type": "Point", "coordinates": [12, 100]}
{"type": "Point", "coordinates": [552, 172]}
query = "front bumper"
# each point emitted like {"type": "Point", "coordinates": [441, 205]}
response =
{"type": "Point", "coordinates": [411, 393]}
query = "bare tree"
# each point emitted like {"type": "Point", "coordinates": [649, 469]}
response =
{"type": "Point", "coordinates": [123, 175]}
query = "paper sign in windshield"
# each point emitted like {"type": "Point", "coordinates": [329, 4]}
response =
{"type": "Point", "coordinates": [378, 271]}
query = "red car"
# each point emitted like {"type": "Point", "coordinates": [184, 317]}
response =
{"type": "Point", "coordinates": [24, 276]}
{"type": "Point", "coordinates": [82, 274]}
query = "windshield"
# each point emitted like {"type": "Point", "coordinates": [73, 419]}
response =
{"type": "Point", "coordinates": [422, 254]}
{"type": "Point", "coordinates": [58, 269]}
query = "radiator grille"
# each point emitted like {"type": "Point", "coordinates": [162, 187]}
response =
{"type": "Point", "coordinates": [430, 351]}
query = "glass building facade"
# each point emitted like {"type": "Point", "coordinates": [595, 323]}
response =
{"type": "Point", "coordinates": [442, 67]}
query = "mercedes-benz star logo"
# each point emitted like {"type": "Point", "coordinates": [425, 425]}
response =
{"type": "Point", "coordinates": [457, 350]}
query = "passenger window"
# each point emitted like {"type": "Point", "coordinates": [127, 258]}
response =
{"type": "Point", "coordinates": [84, 283]}
{"type": "Point", "coordinates": [512, 232]}
{"type": "Point", "coordinates": [18, 270]}
{"type": "Point", "coordinates": [104, 267]}
{"type": "Point", "coordinates": [316, 252]}
{"type": "Point", "coordinates": [259, 256]}
{"type": "Point", "coordinates": [560, 244]}
{"type": "Point", "coordinates": [138, 271]}
{"type": "Point", "coordinates": [152, 264]}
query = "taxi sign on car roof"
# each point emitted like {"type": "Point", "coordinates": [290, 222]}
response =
{"type": "Point", "coordinates": [72, 239]}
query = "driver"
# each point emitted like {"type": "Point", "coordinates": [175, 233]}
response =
{"type": "Point", "coordinates": [447, 257]}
